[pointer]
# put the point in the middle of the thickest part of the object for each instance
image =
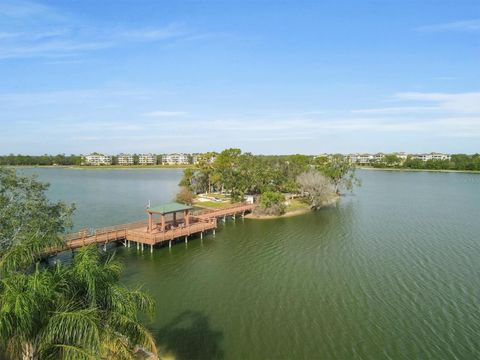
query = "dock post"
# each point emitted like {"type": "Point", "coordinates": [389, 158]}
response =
{"type": "Point", "coordinates": [138, 245]}
{"type": "Point", "coordinates": [186, 239]}
{"type": "Point", "coordinates": [169, 244]}
{"type": "Point", "coordinates": [142, 247]}
{"type": "Point", "coordinates": [151, 248]}
{"type": "Point", "coordinates": [233, 217]}
{"type": "Point", "coordinates": [213, 232]}
{"type": "Point", "coordinates": [201, 234]}
{"type": "Point", "coordinates": [105, 247]}
{"type": "Point", "coordinates": [224, 218]}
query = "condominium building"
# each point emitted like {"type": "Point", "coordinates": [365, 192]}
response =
{"type": "Point", "coordinates": [125, 159]}
{"type": "Point", "coordinates": [147, 159]}
{"type": "Point", "coordinates": [97, 159]}
{"type": "Point", "coordinates": [431, 156]}
{"type": "Point", "coordinates": [175, 159]}
{"type": "Point", "coordinates": [361, 158]}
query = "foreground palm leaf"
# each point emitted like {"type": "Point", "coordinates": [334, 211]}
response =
{"type": "Point", "coordinates": [77, 310]}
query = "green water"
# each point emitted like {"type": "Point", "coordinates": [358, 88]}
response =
{"type": "Point", "coordinates": [391, 272]}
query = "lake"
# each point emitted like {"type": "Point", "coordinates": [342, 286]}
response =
{"type": "Point", "coordinates": [390, 272]}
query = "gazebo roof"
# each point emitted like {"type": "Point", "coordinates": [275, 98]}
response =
{"type": "Point", "coordinates": [168, 208]}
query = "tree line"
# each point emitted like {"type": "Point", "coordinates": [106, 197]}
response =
{"type": "Point", "coordinates": [43, 160]}
{"type": "Point", "coordinates": [456, 162]}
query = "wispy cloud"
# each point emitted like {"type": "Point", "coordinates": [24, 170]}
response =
{"type": "Point", "coordinates": [37, 31]}
{"type": "Point", "coordinates": [397, 110]}
{"type": "Point", "coordinates": [429, 103]}
{"type": "Point", "coordinates": [445, 78]}
{"type": "Point", "coordinates": [453, 102]}
{"type": "Point", "coordinates": [82, 97]}
{"type": "Point", "coordinates": [154, 34]}
{"type": "Point", "coordinates": [21, 9]}
{"type": "Point", "coordinates": [163, 113]}
{"type": "Point", "coordinates": [472, 25]}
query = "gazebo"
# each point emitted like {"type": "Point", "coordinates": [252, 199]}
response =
{"type": "Point", "coordinates": [165, 209]}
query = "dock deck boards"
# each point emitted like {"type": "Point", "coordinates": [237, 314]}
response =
{"type": "Point", "coordinates": [138, 231]}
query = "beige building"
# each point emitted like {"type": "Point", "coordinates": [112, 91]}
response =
{"type": "Point", "coordinates": [147, 159]}
{"type": "Point", "coordinates": [97, 159]}
{"type": "Point", "coordinates": [175, 159]}
{"type": "Point", "coordinates": [125, 159]}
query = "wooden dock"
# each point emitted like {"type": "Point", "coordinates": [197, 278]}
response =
{"type": "Point", "coordinates": [145, 233]}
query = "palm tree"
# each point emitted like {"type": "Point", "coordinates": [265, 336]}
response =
{"type": "Point", "coordinates": [76, 310]}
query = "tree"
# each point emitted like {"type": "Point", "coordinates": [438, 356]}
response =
{"type": "Point", "coordinates": [28, 220]}
{"type": "Point", "coordinates": [187, 180]}
{"type": "Point", "coordinates": [185, 196]}
{"type": "Point", "coordinates": [315, 187]}
{"type": "Point", "coordinates": [388, 160]}
{"type": "Point", "coordinates": [77, 310]}
{"type": "Point", "coordinates": [226, 164]}
{"type": "Point", "coordinates": [341, 173]}
{"type": "Point", "coordinates": [272, 203]}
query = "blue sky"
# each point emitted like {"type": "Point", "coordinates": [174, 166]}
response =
{"type": "Point", "coordinates": [266, 76]}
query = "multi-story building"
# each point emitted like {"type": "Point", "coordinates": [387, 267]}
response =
{"type": "Point", "coordinates": [175, 159]}
{"type": "Point", "coordinates": [147, 159]}
{"type": "Point", "coordinates": [431, 156]}
{"type": "Point", "coordinates": [125, 159]}
{"type": "Point", "coordinates": [97, 159]}
{"type": "Point", "coordinates": [378, 156]}
{"type": "Point", "coordinates": [361, 158]}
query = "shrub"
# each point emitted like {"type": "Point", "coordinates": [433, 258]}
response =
{"type": "Point", "coordinates": [272, 203]}
{"type": "Point", "coordinates": [185, 196]}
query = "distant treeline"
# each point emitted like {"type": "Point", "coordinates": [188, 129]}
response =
{"type": "Point", "coordinates": [457, 162]}
{"type": "Point", "coordinates": [60, 159]}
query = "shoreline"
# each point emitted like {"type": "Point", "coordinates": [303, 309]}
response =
{"type": "Point", "coordinates": [419, 170]}
{"type": "Point", "coordinates": [109, 167]}
{"type": "Point", "coordinates": [293, 213]}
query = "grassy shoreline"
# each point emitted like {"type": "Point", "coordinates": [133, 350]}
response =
{"type": "Point", "coordinates": [419, 170]}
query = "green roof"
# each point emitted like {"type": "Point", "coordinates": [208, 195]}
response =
{"type": "Point", "coordinates": [169, 208]}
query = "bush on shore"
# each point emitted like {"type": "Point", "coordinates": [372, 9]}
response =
{"type": "Point", "coordinates": [271, 203]}
{"type": "Point", "coordinates": [185, 196]}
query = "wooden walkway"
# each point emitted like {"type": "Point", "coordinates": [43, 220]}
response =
{"type": "Point", "coordinates": [200, 222]}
